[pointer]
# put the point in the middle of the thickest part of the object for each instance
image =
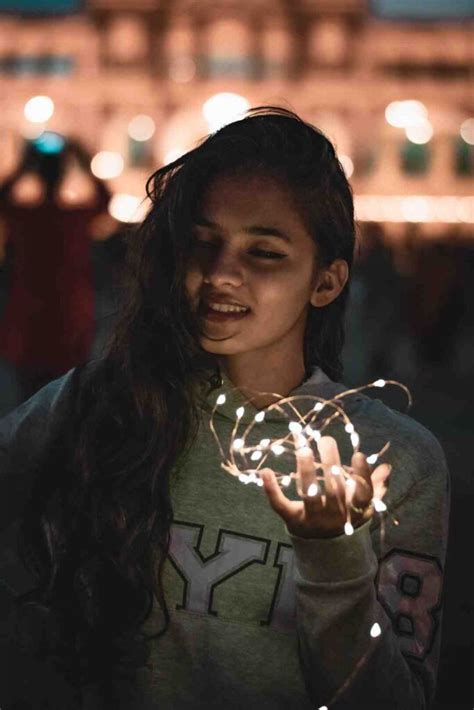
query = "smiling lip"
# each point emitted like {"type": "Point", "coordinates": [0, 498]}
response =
{"type": "Point", "coordinates": [220, 299]}
{"type": "Point", "coordinates": [220, 316]}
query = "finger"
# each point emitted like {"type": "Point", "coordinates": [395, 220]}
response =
{"type": "Point", "coordinates": [328, 450]}
{"type": "Point", "coordinates": [277, 499]}
{"type": "Point", "coordinates": [331, 465]}
{"type": "Point", "coordinates": [379, 480]}
{"type": "Point", "coordinates": [305, 470]}
{"type": "Point", "coordinates": [362, 491]}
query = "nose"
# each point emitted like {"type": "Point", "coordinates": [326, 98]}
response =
{"type": "Point", "coordinates": [224, 268]}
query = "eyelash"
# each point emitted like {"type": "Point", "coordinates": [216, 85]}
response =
{"type": "Point", "coordinates": [262, 253]}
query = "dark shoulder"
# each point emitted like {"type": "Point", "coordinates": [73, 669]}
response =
{"type": "Point", "coordinates": [413, 447]}
{"type": "Point", "coordinates": [50, 404]}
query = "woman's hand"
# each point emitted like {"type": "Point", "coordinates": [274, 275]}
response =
{"type": "Point", "coordinates": [333, 500]}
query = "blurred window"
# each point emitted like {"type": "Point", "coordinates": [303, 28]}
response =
{"type": "Point", "coordinates": [229, 50]}
{"type": "Point", "coordinates": [463, 158]}
{"type": "Point", "coordinates": [415, 158]}
{"type": "Point", "coordinates": [37, 64]}
{"type": "Point", "coordinates": [422, 10]}
{"type": "Point", "coordinates": [40, 7]}
{"type": "Point", "coordinates": [127, 40]}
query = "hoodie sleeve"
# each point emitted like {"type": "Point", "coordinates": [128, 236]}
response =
{"type": "Point", "coordinates": [26, 681]}
{"type": "Point", "coordinates": [369, 624]}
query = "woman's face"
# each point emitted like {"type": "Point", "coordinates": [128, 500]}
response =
{"type": "Point", "coordinates": [252, 250]}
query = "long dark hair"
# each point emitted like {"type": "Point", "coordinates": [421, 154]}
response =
{"type": "Point", "coordinates": [96, 528]}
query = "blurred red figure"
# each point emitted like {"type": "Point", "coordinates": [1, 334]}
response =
{"type": "Point", "coordinates": [48, 323]}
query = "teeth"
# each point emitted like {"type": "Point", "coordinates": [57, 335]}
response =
{"type": "Point", "coordinates": [226, 308]}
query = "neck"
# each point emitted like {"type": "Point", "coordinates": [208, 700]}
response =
{"type": "Point", "coordinates": [256, 375]}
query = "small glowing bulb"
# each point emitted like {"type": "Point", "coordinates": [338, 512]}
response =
{"type": "Point", "coordinates": [220, 399]}
{"type": "Point", "coordinates": [264, 442]}
{"type": "Point", "coordinates": [375, 630]}
{"type": "Point", "coordinates": [348, 529]}
{"type": "Point", "coordinates": [372, 458]}
{"type": "Point", "coordinates": [278, 449]}
{"type": "Point", "coordinates": [379, 383]}
{"type": "Point", "coordinates": [240, 412]}
{"type": "Point", "coordinates": [316, 435]}
{"type": "Point", "coordinates": [323, 707]}
{"type": "Point", "coordinates": [379, 505]}
{"type": "Point", "coordinates": [318, 406]}
{"type": "Point", "coordinates": [335, 470]}
{"type": "Point", "coordinates": [309, 429]}
{"type": "Point", "coordinates": [350, 485]}
{"type": "Point", "coordinates": [286, 480]}
{"type": "Point", "coordinates": [238, 443]}
{"type": "Point", "coordinates": [243, 478]}
{"type": "Point", "coordinates": [355, 439]}
{"type": "Point", "coordinates": [259, 482]}
{"type": "Point", "coordinates": [256, 455]}
{"type": "Point", "coordinates": [252, 477]}
{"type": "Point", "coordinates": [312, 490]}
{"type": "Point", "coordinates": [260, 416]}
{"type": "Point", "coordinates": [349, 428]}
{"type": "Point", "coordinates": [295, 428]}
{"type": "Point", "coordinates": [301, 442]}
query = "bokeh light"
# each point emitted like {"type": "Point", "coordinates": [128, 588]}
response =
{"type": "Point", "coordinates": [416, 209]}
{"type": "Point", "coordinates": [39, 109]}
{"type": "Point", "coordinates": [419, 134]}
{"type": "Point", "coordinates": [107, 165]}
{"type": "Point", "coordinates": [402, 114]}
{"type": "Point", "coordinates": [127, 208]}
{"type": "Point", "coordinates": [224, 108]}
{"type": "Point", "coordinates": [467, 131]}
{"type": "Point", "coordinates": [173, 154]}
{"type": "Point", "coordinates": [141, 127]}
{"type": "Point", "coordinates": [49, 142]}
{"type": "Point", "coordinates": [347, 164]}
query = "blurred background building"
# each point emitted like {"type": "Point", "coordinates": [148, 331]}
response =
{"type": "Point", "coordinates": [138, 82]}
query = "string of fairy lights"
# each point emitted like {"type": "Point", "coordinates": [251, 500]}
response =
{"type": "Point", "coordinates": [245, 460]}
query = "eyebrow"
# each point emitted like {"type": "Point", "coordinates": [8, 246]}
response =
{"type": "Point", "coordinates": [254, 229]}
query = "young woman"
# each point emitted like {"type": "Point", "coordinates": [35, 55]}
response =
{"type": "Point", "coordinates": [158, 580]}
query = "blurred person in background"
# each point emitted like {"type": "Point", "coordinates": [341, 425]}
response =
{"type": "Point", "coordinates": [46, 215]}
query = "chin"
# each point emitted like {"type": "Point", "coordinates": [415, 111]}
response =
{"type": "Point", "coordinates": [220, 347]}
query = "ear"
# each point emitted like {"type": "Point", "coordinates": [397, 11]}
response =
{"type": "Point", "coordinates": [330, 282]}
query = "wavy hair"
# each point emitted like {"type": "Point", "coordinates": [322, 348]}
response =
{"type": "Point", "coordinates": [95, 531]}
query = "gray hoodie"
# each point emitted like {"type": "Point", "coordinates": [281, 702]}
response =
{"type": "Point", "coordinates": [261, 619]}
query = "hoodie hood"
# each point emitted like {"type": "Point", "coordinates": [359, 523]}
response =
{"type": "Point", "coordinates": [317, 385]}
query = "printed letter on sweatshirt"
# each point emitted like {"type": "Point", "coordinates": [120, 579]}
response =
{"type": "Point", "coordinates": [282, 615]}
{"type": "Point", "coordinates": [233, 553]}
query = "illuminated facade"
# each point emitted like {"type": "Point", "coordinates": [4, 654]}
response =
{"type": "Point", "coordinates": [121, 62]}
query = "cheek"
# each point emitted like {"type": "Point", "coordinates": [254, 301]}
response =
{"type": "Point", "coordinates": [192, 285]}
{"type": "Point", "coordinates": [192, 280]}
{"type": "Point", "coordinates": [288, 292]}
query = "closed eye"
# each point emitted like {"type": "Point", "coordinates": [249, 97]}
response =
{"type": "Point", "coordinates": [267, 254]}
{"type": "Point", "coordinates": [259, 253]}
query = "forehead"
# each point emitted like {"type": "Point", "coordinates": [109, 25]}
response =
{"type": "Point", "coordinates": [247, 196]}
